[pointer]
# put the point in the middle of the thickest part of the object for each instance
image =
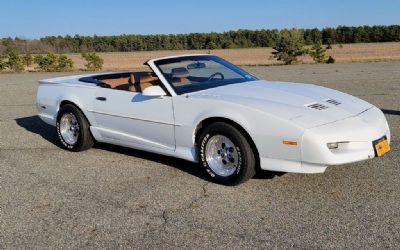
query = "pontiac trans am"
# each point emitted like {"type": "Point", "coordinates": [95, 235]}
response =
{"type": "Point", "coordinates": [204, 109]}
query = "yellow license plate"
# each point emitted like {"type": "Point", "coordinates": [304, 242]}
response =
{"type": "Point", "coordinates": [382, 147]}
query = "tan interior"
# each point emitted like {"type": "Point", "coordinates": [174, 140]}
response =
{"type": "Point", "coordinates": [137, 82]}
{"type": "Point", "coordinates": [118, 83]}
{"type": "Point", "coordinates": [180, 76]}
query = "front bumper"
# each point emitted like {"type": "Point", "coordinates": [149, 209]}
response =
{"type": "Point", "coordinates": [359, 133]}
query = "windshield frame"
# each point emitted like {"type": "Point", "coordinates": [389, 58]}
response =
{"type": "Point", "coordinates": [214, 58]}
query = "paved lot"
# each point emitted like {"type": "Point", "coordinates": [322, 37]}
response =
{"type": "Point", "coordinates": [112, 197]}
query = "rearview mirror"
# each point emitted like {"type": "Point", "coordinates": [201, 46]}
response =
{"type": "Point", "coordinates": [154, 91]}
{"type": "Point", "coordinates": [197, 65]}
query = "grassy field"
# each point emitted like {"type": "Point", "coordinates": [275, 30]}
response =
{"type": "Point", "coordinates": [259, 56]}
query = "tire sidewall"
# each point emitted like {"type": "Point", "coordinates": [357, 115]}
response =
{"type": "Point", "coordinates": [239, 146]}
{"type": "Point", "coordinates": [64, 144]}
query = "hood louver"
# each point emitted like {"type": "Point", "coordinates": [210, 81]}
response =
{"type": "Point", "coordinates": [333, 102]}
{"type": "Point", "coordinates": [317, 106]}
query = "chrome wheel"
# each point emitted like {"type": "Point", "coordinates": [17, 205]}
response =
{"type": "Point", "coordinates": [69, 128]}
{"type": "Point", "coordinates": [221, 155]}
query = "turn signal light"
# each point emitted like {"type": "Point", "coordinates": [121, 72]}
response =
{"type": "Point", "coordinates": [292, 143]}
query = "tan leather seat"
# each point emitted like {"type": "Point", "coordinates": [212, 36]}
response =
{"type": "Point", "coordinates": [136, 82]}
{"type": "Point", "coordinates": [142, 80]}
{"type": "Point", "coordinates": [118, 83]}
{"type": "Point", "coordinates": [180, 76]}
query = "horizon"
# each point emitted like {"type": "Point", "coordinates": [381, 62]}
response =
{"type": "Point", "coordinates": [43, 18]}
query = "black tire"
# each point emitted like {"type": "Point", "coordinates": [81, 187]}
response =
{"type": "Point", "coordinates": [246, 166]}
{"type": "Point", "coordinates": [85, 139]}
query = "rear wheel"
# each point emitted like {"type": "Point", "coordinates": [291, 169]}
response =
{"type": "Point", "coordinates": [226, 155]}
{"type": "Point", "coordinates": [73, 129]}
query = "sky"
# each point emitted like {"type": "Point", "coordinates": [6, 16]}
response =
{"type": "Point", "coordinates": [39, 18]}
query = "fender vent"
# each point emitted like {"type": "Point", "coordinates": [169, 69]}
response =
{"type": "Point", "coordinates": [317, 106]}
{"type": "Point", "coordinates": [332, 101]}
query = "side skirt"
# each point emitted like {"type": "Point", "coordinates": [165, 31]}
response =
{"type": "Point", "coordinates": [185, 153]}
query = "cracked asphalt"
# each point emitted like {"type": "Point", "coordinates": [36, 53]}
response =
{"type": "Point", "coordinates": [112, 197]}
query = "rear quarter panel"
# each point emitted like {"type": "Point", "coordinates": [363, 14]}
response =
{"type": "Point", "coordinates": [51, 95]}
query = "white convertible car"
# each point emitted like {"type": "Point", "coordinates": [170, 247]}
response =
{"type": "Point", "coordinates": [204, 109]}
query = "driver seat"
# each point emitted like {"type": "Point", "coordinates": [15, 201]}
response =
{"type": "Point", "coordinates": [180, 76]}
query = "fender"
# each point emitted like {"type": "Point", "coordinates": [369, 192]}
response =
{"type": "Point", "coordinates": [77, 101]}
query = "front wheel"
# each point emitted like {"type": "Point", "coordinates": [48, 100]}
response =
{"type": "Point", "coordinates": [73, 129]}
{"type": "Point", "coordinates": [226, 155]}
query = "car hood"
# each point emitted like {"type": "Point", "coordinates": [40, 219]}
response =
{"type": "Point", "coordinates": [307, 105]}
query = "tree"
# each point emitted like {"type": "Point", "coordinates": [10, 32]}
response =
{"type": "Point", "coordinates": [317, 53]}
{"type": "Point", "coordinates": [94, 62]}
{"type": "Point", "coordinates": [14, 61]}
{"type": "Point", "coordinates": [47, 63]}
{"type": "Point", "coordinates": [229, 39]}
{"type": "Point", "coordinates": [289, 46]}
{"type": "Point", "coordinates": [212, 45]}
{"type": "Point", "coordinates": [64, 63]}
{"type": "Point", "coordinates": [27, 59]}
{"type": "Point", "coordinates": [3, 64]}
{"type": "Point", "coordinates": [53, 63]}
{"type": "Point", "coordinates": [312, 36]}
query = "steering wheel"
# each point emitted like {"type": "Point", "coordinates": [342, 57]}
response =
{"type": "Point", "coordinates": [212, 77]}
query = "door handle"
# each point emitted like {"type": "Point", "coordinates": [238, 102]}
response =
{"type": "Point", "coordinates": [101, 98]}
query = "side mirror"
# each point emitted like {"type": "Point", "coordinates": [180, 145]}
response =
{"type": "Point", "coordinates": [155, 91]}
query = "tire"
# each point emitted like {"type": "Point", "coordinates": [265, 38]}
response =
{"type": "Point", "coordinates": [80, 138]}
{"type": "Point", "coordinates": [221, 163]}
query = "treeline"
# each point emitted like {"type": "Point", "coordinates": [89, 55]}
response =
{"type": "Point", "coordinates": [226, 40]}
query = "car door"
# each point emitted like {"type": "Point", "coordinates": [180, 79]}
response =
{"type": "Point", "coordinates": [134, 119]}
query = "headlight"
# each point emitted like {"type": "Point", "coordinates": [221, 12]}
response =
{"type": "Point", "coordinates": [335, 145]}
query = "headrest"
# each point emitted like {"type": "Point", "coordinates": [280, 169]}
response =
{"type": "Point", "coordinates": [142, 77]}
{"type": "Point", "coordinates": [180, 73]}
{"type": "Point", "coordinates": [147, 78]}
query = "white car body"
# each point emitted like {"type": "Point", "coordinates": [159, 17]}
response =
{"type": "Point", "coordinates": [286, 122]}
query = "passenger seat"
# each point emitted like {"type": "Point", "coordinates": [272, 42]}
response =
{"type": "Point", "coordinates": [141, 80]}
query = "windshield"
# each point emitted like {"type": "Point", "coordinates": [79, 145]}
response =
{"type": "Point", "coordinates": [193, 73]}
